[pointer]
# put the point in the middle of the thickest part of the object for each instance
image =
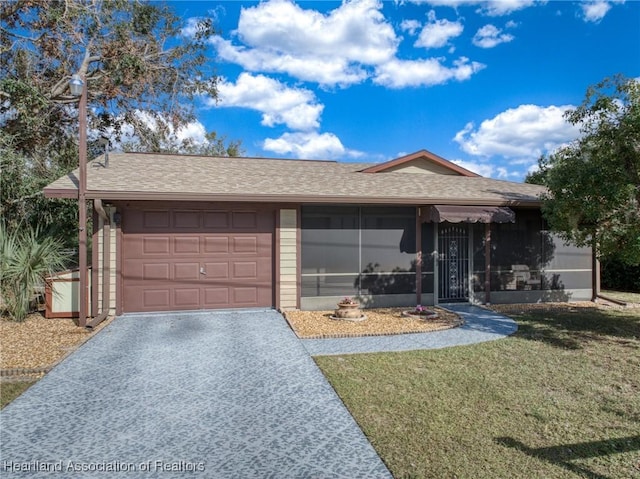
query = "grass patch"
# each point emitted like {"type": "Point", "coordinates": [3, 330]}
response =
{"type": "Point", "coordinates": [11, 390]}
{"type": "Point", "coordinates": [560, 399]}
{"type": "Point", "coordinates": [622, 296]}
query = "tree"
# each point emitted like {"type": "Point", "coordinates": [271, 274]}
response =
{"type": "Point", "coordinates": [144, 75]}
{"type": "Point", "coordinates": [22, 203]}
{"type": "Point", "coordinates": [538, 177]}
{"type": "Point", "coordinates": [170, 142]}
{"type": "Point", "coordinates": [593, 184]}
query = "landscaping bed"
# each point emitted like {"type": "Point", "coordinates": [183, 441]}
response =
{"type": "Point", "coordinates": [32, 347]}
{"type": "Point", "coordinates": [379, 321]}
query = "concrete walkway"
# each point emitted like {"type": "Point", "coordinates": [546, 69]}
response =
{"type": "Point", "coordinates": [480, 325]}
{"type": "Point", "coordinates": [200, 395]}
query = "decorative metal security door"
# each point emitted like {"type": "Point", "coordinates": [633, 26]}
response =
{"type": "Point", "coordinates": [453, 264]}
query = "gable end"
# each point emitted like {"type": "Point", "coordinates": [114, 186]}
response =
{"type": "Point", "coordinates": [421, 162]}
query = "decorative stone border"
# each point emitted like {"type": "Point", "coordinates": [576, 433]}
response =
{"type": "Point", "coordinates": [25, 371]}
{"type": "Point", "coordinates": [353, 320]}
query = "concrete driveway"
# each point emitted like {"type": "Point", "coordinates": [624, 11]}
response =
{"type": "Point", "coordinates": [203, 394]}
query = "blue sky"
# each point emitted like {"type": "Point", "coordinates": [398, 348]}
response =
{"type": "Point", "coordinates": [480, 83]}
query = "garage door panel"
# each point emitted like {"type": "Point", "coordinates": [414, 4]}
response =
{"type": "Point", "coordinates": [264, 270]}
{"type": "Point", "coordinates": [186, 298]}
{"type": "Point", "coordinates": [245, 245]}
{"type": "Point", "coordinates": [216, 297]}
{"type": "Point", "coordinates": [186, 258]}
{"type": "Point", "coordinates": [216, 245]}
{"type": "Point", "coordinates": [156, 271]}
{"type": "Point", "coordinates": [137, 272]}
{"type": "Point", "coordinates": [186, 271]}
{"type": "Point", "coordinates": [186, 245]}
{"type": "Point", "coordinates": [156, 245]}
{"type": "Point", "coordinates": [265, 247]}
{"type": "Point", "coordinates": [216, 271]}
{"type": "Point", "coordinates": [155, 219]}
{"type": "Point", "coordinates": [246, 296]}
{"type": "Point", "coordinates": [189, 220]}
{"type": "Point", "coordinates": [139, 246]}
{"type": "Point", "coordinates": [216, 219]}
{"type": "Point", "coordinates": [244, 219]}
{"type": "Point", "coordinates": [156, 299]}
{"type": "Point", "coordinates": [245, 270]}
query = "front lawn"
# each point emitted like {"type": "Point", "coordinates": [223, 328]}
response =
{"type": "Point", "coordinates": [560, 399]}
{"type": "Point", "coordinates": [11, 390]}
{"type": "Point", "coordinates": [623, 296]}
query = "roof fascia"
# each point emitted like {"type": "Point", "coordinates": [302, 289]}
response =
{"type": "Point", "coordinates": [333, 199]}
{"type": "Point", "coordinates": [417, 155]}
{"type": "Point", "coordinates": [60, 193]}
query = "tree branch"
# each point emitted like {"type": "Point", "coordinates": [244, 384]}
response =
{"type": "Point", "coordinates": [58, 90]}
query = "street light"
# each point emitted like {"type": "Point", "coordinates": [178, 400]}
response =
{"type": "Point", "coordinates": [78, 87]}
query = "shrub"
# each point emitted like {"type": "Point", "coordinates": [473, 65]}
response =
{"type": "Point", "coordinates": [618, 276]}
{"type": "Point", "coordinates": [26, 258]}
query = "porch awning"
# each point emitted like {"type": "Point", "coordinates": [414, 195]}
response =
{"type": "Point", "coordinates": [468, 214]}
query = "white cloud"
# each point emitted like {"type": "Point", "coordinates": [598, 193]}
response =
{"type": "Point", "coordinates": [280, 36]}
{"type": "Point", "coordinates": [504, 174]}
{"type": "Point", "coordinates": [325, 71]}
{"type": "Point", "coordinates": [496, 8]}
{"type": "Point", "coordinates": [492, 8]}
{"type": "Point", "coordinates": [410, 26]}
{"type": "Point", "coordinates": [437, 33]}
{"type": "Point", "coordinates": [489, 170]}
{"type": "Point", "coordinates": [483, 169]}
{"type": "Point", "coordinates": [490, 36]}
{"type": "Point", "coordinates": [595, 10]}
{"type": "Point", "coordinates": [343, 47]}
{"type": "Point", "coordinates": [309, 145]}
{"type": "Point", "coordinates": [194, 132]}
{"type": "Point", "coordinates": [413, 73]}
{"type": "Point", "coordinates": [519, 133]}
{"type": "Point", "coordinates": [296, 108]}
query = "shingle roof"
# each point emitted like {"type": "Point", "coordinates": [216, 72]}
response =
{"type": "Point", "coordinates": [144, 176]}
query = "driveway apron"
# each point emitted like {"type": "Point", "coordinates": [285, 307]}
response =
{"type": "Point", "coordinates": [230, 394]}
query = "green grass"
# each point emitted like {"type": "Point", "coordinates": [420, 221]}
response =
{"type": "Point", "coordinates": [621, 296]}
{"type": "Point", "coordinates": [11, 390]}
{"type": "Point", "coordinates": [560, 399]}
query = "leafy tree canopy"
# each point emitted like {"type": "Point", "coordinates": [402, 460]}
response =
{"type": "Point", "coordinates": [143, 75]}
{"type": "Point", "coordinates": [593, 184]}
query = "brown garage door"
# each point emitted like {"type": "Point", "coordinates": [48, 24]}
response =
{"type": "Point", "coordinates": [201, 258]}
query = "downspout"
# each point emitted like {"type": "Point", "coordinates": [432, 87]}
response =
{"type": "Point", "coordinates": [106, 262]}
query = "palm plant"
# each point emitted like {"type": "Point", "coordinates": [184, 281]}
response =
{"type": "Point", "coordinates": [26, 258]}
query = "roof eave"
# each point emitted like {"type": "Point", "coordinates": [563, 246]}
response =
{"type": "Point", "coordinates": [291, 198]}
{"type": "Point", "coordinates": [60, 193]}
